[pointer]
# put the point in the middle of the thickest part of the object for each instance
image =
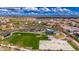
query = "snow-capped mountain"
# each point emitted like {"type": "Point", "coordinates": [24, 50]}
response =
{"type": "Point", "coordinates": [39, 11]}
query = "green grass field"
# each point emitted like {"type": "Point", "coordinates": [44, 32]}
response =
{"type": "Point", "coordinates": [26, 39]}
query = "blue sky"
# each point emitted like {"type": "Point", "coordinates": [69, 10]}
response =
{"type": "Point", "coordinates": [73, 8]}
{"type": "Point", "coordinates": [40, 11]}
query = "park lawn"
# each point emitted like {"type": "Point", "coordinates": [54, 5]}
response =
{"type": "Point", "coordinates": [26, 39]}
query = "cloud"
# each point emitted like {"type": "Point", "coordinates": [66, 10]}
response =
{"type": "Point", "coordinates": [77, 13]}
{"type": "Point", "coordinates": [67, 10]}
{"type": "Point", "coordinates": [53, 9]}
{"type": "Point", "coordinates": [64, 11]}
{"type": "Point", "coordinates": [3, 10]}
{"type": "Point", "coordinates": [59, 9]}
{"type": "Point", "coordinates": [44, 9]}
{"type": "Point", "coordinates": [31, 8]}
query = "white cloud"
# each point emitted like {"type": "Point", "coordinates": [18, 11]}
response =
{"type": "Point", "coordinates": [45, 9]}
{"type": "Point", "coordinates": [3, 10]}
{"type": "Point", "coordinates": [60, 9]}
{"type": "Point", "coordinates": [14, 13]}
{"type": "Point", "coordinates": [56, 11]}
{"type": "Point", "coordinates": [65, 9]}
{"type": "Point", "coordinates": [32, 13]}
{"type": "Point", "coordinates": [31, 8]}
{"type": "Point", "coordinates": [76, 12]}
{"type": "Point", "coordinates": [53, 9]}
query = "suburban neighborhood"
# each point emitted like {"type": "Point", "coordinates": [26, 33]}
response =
{"type": "Point", "coordinates": [39, 33]}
